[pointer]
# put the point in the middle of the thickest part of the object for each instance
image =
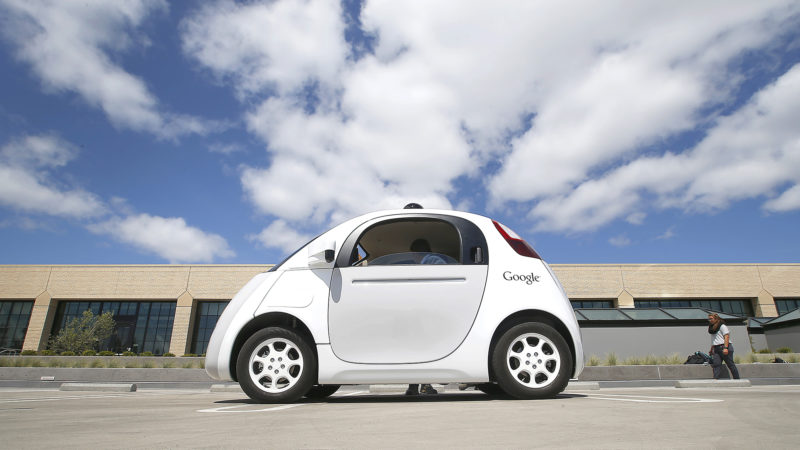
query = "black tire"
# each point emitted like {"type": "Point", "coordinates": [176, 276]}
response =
{"type": "Point", "coordinates": [532, 360]}
{"type": "Point", "coordinates": [319, 391]}
{"type": "Point", "coordinates": [490, 389]}
{"type": "Point", "coordinates": [276, 365]}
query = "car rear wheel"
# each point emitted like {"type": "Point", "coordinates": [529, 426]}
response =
{"type": "Point", "coordinates": [532, 360]}
{"type": "Point", "coordinates": [322, 390]}
{"type": "Point", "coordinates": [276, 365]}
{"type": "Point", "coordinates": [490, 389]}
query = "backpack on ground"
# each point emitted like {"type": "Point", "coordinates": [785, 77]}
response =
{"type": "Point", "coordinates": [698, 358]}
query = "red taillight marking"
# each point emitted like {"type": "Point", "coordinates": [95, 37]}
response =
{"type": "Point", "coordinates": [519, 245]}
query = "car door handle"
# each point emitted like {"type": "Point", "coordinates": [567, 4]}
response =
{"type": "Point", "coordinates": [410, 280]}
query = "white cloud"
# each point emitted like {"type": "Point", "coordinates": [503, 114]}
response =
{"type": "Point", "coordinates": [38, 152]}
{"type": "Point", "coordinates": [748, 154]}
{"type": "Point", "coordinates": [281, 235]}
{"type": "Point", "coordinates": [70, 45]}
{"type": "Point", "coordinates": [168, 237]}
{"type": "Point", "coordinates": [566, 97]}
{"type": "Point", "coordinates": [636, 218]}
{"type": "Point", "coordinates": [620, 241]}
{"type": "Point", "coordinates": [261, 46]}
{"type": "Point", "coordinates": [788, 201]}
{"type": "Point", "coordinates": [26, 184]}
{"type": "Point", "coordinates": [669, 234]}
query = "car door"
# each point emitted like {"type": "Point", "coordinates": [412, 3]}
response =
{"type": "Point", "coordinates": [389, 304]}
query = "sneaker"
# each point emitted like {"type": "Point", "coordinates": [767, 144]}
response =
{"type": "Point", "coordinates": [412, 390]}
{"type": "Point", "coordinates": [427, 389]}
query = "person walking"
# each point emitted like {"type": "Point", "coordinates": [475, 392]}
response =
{"type": "Point", "coordinates": [721, 346]}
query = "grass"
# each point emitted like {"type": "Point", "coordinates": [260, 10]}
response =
{"type": "Point", "coordinates": [611, 359]}
{"type": "Point", "coordinates": [99, 362]}
{"type": "Point", "coordinates": [174, 362]}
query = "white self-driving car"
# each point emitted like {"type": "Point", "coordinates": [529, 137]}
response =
{"type": "Point", "coordinates": [401, 296]}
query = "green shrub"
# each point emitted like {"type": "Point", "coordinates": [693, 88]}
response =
{"type": "Point", "coordinates": [674, 359]}
{"type": "Point", "coordinates": [737, 359]}
{"type": "Point", "coordinates": [593, 361]}
{"type": "Point", "coordinates": [650, 360]}
{"type": "Point", "coordinates": [147, 365]}
{"type": "Point", "coordinates": [28, 352]}
{"type": "Point", "coordinates": [113, 364]}
{"type": "Point", "coordinates": [106, 353]}
{"type": "Point", "coordinates": [168, 364]}
{"type": "Point", "coordinates": [190, 355]}
{"type": "Point", "coordinates": [611, 359]}
{"type": "Point", "coordinates": [47, 352]}
{"type": "Point", "coordinates": [146, 354]}
{"type": "Point", "coordinates": [784, 350]}
{"type": "Point", "coordinates": [97, 363]}
{"type": "Point", "coordinates": [128, 353]}
{"type": "Point", "coordinates": [764, 350]}
{"type": "Point", "coordinates": [83, 333]}
{"type": "Point", "coordinates": [169, 355]}
{"type": "Point", "coordinates": [67, 353]}
{"type": "Point", "coordinates": [89, 353]}
{"type": "Point", "coordinates": [632, 361]}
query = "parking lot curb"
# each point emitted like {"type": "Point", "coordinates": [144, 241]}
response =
{"type": "Point", "coordinates": [99, 387]}
{"type": "Point", "coordinates": [226, 388]}
{"type": "Point", "coordinates": [583, 386]}
{"type": "Point", "coordinates": [712, 383]}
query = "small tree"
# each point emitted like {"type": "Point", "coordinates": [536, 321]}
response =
{"type": "Point", "coordinates": [83, 333]}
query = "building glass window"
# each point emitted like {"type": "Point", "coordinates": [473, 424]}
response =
{"type": "Point", "coordinates": [785, 305]}
{"type": "Point", "coordinates": [207, 315]}
{"type": "Point", "coordinates": [14, 318]}
{"type": "Point", "coordinates": [736, 307]}
{"type": "Point", "coordinates": [139, 326]}
{"type": "Point", "coordinates": [593, 304]}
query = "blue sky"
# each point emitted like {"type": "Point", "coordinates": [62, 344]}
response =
{"type": "Point", "coordinates": [150, 132]}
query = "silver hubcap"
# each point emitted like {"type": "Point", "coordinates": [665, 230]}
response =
{"type": "Point", "coordinates": [533, 360]}
{"type": "Point", "coordinates": [276, 365]}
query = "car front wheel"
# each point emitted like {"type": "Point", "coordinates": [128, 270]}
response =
{"type": "Point", "coordinates": [319, 391]}
{"type": "Point", "coordinates": [276, 365]}
{"type": "Point", "coordinates": [532, 360]}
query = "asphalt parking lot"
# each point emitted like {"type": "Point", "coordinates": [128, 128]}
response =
{"type": "Point", "coordinates": [764, 416]}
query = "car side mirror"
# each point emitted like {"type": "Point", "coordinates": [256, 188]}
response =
{"type": "Point", "coordinates": [321, 254]}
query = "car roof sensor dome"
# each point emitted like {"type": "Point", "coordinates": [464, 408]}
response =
{"type": "Point", "coordinates": [413, 206]}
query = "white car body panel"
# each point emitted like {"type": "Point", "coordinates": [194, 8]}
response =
{"type": "Point", "coordinates": [236, 315]}
{"type": "Point", "coordinates": [304, 295]}
{"type": "Point", "coordinates": [447, 339]}
{"type": "Point", "coordinates": [388, 314]}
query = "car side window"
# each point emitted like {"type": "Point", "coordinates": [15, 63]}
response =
{"type": "Point", "coordinates": [410, 241]}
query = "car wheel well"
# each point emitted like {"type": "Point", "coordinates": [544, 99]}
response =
{"type": "Point", "coordinates": [275, 319]}
{"type": "Point", "coordinates": [530, 316]}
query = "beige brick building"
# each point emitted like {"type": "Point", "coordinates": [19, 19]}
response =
{"type": "Point", "coordinates": [173, 308]}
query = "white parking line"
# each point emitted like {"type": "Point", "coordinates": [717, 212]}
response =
{"type": "Point", "coordinates": [650, 399]}
{"type": "Point", "coordinates": [49, 399]}
{"type": "Point", "coordinates": [351, 393]}
{"type": "Point", "coordinates": [234, 408]}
